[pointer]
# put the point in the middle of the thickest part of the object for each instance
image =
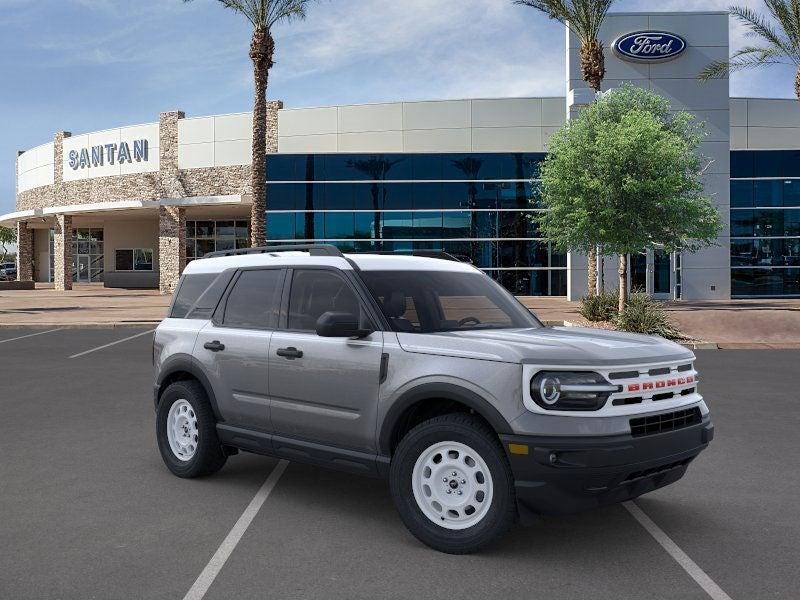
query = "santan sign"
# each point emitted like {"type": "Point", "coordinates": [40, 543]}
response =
{"type": "Point", "coordinates": [649, 46]}
{"type": "Point", "coordinates": [97, 156]}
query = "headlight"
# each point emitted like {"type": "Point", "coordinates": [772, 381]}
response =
{"type": "Point", "coordinates": [563, 390]}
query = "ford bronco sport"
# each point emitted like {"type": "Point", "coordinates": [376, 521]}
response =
{"type": "Point", "coordinates": [424, 371]}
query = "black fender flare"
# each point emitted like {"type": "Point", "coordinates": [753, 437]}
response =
{"type": "Point", "coordinates": [186, 364]}
{"type": "Point", "coordinates": [446, 391]}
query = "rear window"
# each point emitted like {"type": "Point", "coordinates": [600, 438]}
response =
{"type": "Point", "coordinates": [192, 286]}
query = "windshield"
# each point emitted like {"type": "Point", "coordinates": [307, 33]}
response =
{"type": "Point", "coordinates": [438, 301]}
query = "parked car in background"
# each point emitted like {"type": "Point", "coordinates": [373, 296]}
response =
{"type": "Point", "coordinates": [424, 371]}
{"type": "Point", "coordinates": [8, 271]}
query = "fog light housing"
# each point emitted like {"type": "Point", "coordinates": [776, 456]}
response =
{"type": "Point", "coordinates": [565, 390]}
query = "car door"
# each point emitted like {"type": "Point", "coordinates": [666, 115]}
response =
{"type": "Point", "coordinates": [324, 390]}
{"type": "Point", "coordinates": [233, 348]}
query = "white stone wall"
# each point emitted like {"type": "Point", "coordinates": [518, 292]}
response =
{"type": "Point", "coordinates": [480, 125]}
{"type": "Point", "coordinates": [765, 124]}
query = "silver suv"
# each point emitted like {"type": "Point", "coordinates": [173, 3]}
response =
{"type": "Point", "coordinates": [424, 371]}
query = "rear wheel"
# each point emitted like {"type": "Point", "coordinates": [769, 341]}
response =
{"type": "Point", "coordinates": [186, 431]}
{"type": "Point", "coordinates": [452, 484]}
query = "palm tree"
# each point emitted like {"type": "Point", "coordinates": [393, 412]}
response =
{"type": "Point", "coordinates": [584, 19]}
{"type": "Point", "coordinates": [263, 15]}
{"type": "Point", "coordinates": [780, 41]}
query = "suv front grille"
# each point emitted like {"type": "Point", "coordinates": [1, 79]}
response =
{"type": "Point", "coordinates": [664, 422]}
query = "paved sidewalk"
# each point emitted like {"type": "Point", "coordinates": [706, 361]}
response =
{"type": "Point", "coordinates": [731, 324]}
{"type": "Point", "coordinates": [86, 305]}
{"type": "Point", "coordinates": [739, 324]}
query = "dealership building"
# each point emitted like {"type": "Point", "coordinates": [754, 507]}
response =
{"type": "Point", "coordinates": [128, 207]}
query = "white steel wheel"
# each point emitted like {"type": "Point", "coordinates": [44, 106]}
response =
{"type": "Point", "coordinates": [452, 485]}
{"type": "Point", "coordinates": [182, 432]}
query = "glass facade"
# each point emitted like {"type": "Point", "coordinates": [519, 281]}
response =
{"type": "Point", "coordinates": [765, 223]}
{"type": "Point", "coordinates": [210, 236]}
{"type": "Point", "coordinates": [476, 206]}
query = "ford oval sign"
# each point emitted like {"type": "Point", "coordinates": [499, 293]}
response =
{"type": "Point", "coordinates": [649, 46]}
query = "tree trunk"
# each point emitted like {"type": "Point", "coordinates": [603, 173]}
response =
{"type": "Point", "coordinates": [593, 64]}
{"type": "Point", "coordinates": [623, 282]}
{"type": "Point", "coordinates": [262, 48]}
{"type": "Point", "coordinates": [797, 84]}
{"type": "Point", "coordinates": [592, 271]}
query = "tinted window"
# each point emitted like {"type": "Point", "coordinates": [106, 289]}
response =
{"type": "Point", "coordinates": [189, 291]}
{"type": "Point", "coordinates": [315, 292]}
{"type": "Point", "coordinates": [439, 301]}
{"type": "Point", "coordinates": [254, 300]}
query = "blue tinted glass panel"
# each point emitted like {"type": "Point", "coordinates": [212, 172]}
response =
{"type": "Point", "coordinates": [457, 224]}
{"type": "Point", "coordinates": [765, 282]}
{"type": "Point", "coordinates": [397, 196]}
{"type": "Point", "coordinates": [339, 196]}
{"type": "Point", "coordinates": [791, 193]}
{"type": "Point", "coordinates": [283, 196]}
{"type": "Point", "coordinates": [426, 166]}
{"type": "Point", "coordinates": [558, 259]}
{"type": "Point", "coordinates": [311, 196]}
{"type": "Point", "coordinates": [339, 225]}
{"type": "Point", "coordinates": [741, 194]}
{"type": "Point", "coordinates": [791, 222]}
{"type": "Point", "coordinates": [742, 223]}
{"type": "Point", "coordinates": [484, 195]}
{"type": "Point", "coordinates": [742, 164]}
{"type": "Point", "coordinates": [768, 193]}
{"type": "Point", "coordinates": [367, 225]}
{"type": "Point", "coordinates": [768, 163]}
{"type": "Point", "coordinates": [367, 196]}
{"type": "Point", "coordinates": [398, 225]}
{"type": "Point", "coordinates": [280, 226]}
{"type": "Point", "coordinates": [765, 253]}
{"type": "Point", "coordinates": [514, 195]}
{"type": "Point", "coordinates": [281, 167]}
{"type": "Point", "coordinates": [790, 165]}
{"type": "Point", "coordinates": [427, 225]}
{"type": "Point", "coordinates": [455, 195]}
{"type": "Point", "coordinates": [426, 195]}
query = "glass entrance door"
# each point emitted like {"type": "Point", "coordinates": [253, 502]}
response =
{"type": "Point", "coordinates": [651, 272]}
{"type": "Point", "coordinates": [83, 269]}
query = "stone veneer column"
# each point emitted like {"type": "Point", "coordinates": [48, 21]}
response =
{"type": "Point", "coordinates": [171, 246]}
{"type": "Point", "coordinates": [171, 219]}
{"type": "Point", "coordinates": [24, 252]}
{"type": "Point", "coordinates": [62, 249]}
{"type": "Point", "coordinates": [273, 106]}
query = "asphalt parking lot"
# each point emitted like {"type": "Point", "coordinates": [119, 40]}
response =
{"type": "Point", "coordinates": [88, 510]}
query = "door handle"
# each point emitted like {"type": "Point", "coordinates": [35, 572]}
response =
{"type": "Point", "coordinates": [290, 352]}
{"type": "Point", "coordinates": [214, 346]}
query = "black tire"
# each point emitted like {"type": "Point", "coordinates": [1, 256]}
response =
{"type": "Point", "coordinates": [473, 432]}
{"type": "Point", "coordinates": [209, 456]}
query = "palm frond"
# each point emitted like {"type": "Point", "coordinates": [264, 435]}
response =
{"type": "Point", "coordinates": [759, 26]}
{"type": "Point", "coordinates": [583, 17]}
{"type": "Point", "coordinates": [745, 58]}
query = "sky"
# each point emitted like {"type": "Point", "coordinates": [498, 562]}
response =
{"type": "Point", "coordinates": [86, 65]}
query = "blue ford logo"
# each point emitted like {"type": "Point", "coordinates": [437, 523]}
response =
{"type": "Point", "coordinates": [649, 46]}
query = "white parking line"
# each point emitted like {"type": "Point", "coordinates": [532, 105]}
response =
{"type": "Point", "coordinates": [111, 344]}
{"type": "Point", "coordinates": [214, 566]}
{"type": "Point", "coordinates": [688, 565]}
{"type": "Point", "coordinates": [22, 337]}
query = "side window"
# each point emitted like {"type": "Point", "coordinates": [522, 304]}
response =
{"type": "Point", "coordinates": [192, 286]}
{"type": "Point", "coordinates": [254, 300]}
{"type": "Point", "coordinates": [315, 292]}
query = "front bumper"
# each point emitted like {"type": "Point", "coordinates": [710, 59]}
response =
{"type": "Point", "coordinates": [561, 475]}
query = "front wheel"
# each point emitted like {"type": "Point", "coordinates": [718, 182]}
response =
{"type": "Point", "coordinates": [452, 484]}
{"type": "Point", "coordinates": [186, 431]}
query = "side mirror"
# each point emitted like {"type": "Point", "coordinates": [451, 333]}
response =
{"type": "Point", "coordinates": [339, 324]}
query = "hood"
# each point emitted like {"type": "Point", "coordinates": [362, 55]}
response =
{"type": "Point", "coordinates": [547, 345]}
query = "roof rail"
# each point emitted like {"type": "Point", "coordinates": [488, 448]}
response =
{"type": "Point", "coordinates": [312, 249]}
{"type": "Point", "coordinates": [441, 254]}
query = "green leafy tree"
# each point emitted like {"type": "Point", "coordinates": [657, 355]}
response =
{"type": "Point", "coordinates": [263, 15]}
{"type": "Point", "coordinates": [8, 236]}
{"type": "Point", "coordinates": [626, 175]}
{"type": "Point", "coordinates": [778, 40]}
{"type": "Point", "coordinates": [584, 19]}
